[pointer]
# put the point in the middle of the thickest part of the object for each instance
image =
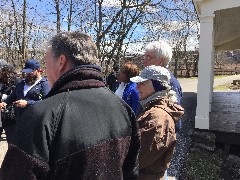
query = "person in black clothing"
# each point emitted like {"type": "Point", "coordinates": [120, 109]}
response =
{"type": "Point", "coordinates": [8, 82]}
{"type": "Point", "coordinates": [112, 79]}
{"type": "Point", "coordinates": [81, 130]}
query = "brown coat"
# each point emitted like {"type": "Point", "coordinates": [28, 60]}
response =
{"type": "Point", "coordinates": [158, 137]}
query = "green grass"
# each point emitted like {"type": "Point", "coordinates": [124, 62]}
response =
{"type": "Point", "coordinates": [187, 78]}
{"type": "Point", "coordinates": [220, 76]}
{"type": "Point", "coordinates": [222, 87]}
{"type": "Point", "coordinates": [226, 87]}
{"type": "Point", "coordinates": [215, 77]}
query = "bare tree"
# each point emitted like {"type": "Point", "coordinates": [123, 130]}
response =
{"type": "Point", "coordinates": [24, 29]}
{"type": "Point", "coordinates": [21, 30]}
{"type": "Point", "coordinates": [58, 14]}
{"type": "Point", "coordinates": [70, 15]}
{"type": "Point", "coordinates": [116, 26]}
{"type": "Point", "coordinates": [175, 22]}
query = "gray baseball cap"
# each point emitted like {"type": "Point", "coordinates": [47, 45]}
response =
{"type": "Point", "coordinates": [153, 72]}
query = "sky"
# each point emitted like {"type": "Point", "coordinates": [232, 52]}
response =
{"type": "Point", "coordinates": [44, 9]}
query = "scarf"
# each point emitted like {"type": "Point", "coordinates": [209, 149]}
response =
{"type": "Point", "coordinates": [80, 77]}
{"type": "Point", "coordinates": [171, 95]}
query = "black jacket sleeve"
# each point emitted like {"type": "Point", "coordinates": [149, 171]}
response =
{"type": "Point", "coordinates": [131, 164]}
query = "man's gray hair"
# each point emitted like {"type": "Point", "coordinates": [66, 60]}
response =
{"type": "Point", "coordinates": [161, 49]}
{"type": "Point", "coordinates": [76, 46]}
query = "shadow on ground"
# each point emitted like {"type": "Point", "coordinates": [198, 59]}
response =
{"type": "Point", "coordinates": [189, 103]}
{"type": "Point", "coordinates": [192, 163]}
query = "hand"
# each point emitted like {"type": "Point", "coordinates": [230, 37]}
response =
{"type": "Point", "coordinates": [3, 105]}
{"type": "Point", "coordinates": [20, 103]}
{"type": "Point", "coordinates": [4, 96]}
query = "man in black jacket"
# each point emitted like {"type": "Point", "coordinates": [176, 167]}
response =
{"type": "Point", "coordinates": [112, 79]}
{"type": "Point", "coordinates": [81, 130]}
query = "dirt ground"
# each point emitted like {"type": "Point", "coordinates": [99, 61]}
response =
{"type": "Point", "coordinates": [3, 147]}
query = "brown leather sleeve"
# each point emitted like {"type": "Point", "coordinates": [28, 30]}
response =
{"type": "Point", "coordinates": [157, 135]}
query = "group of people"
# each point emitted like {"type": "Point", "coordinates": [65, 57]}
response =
{"type": "Point", "coordinates": [154, 84]}
{"type": "Point", "coordinates": [74, 127]}
{"type": "Point", "coordinates": [157, 53]}
{"type": "Point", "coordinates": [21, 93]}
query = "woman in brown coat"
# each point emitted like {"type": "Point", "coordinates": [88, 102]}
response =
{"type": "Point", "coordinates": [157, 121]}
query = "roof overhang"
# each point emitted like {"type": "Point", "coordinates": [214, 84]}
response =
{"type": "Point", "coordinates": [227, 29]}
{"type": "Point", "coordinates": [226, 18]}
{"type": "Point", "coordinates": [197, 4]}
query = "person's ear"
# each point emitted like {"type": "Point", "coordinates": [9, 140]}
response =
{"type": "Point", "coordinates": [161, 62]}
{"type": "Point", "coordinates": [62, 63]}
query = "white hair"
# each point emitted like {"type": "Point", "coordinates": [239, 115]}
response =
{"type": "Point", "coordinates": [161, 49]}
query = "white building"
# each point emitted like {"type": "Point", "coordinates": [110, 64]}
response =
{"type": "Point", "coordinates": [219, 30]}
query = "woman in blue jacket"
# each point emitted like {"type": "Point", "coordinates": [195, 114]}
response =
{"type": "Point", "coordinates": [127, 89]}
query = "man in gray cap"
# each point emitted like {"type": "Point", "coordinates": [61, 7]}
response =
{"type": "Point", "coordinates": [30, 90]}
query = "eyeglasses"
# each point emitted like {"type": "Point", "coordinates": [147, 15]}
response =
{"type": "Point", "coordinates": [148, 58]}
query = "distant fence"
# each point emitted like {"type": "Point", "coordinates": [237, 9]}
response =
{"type": "Point", "coordinates": [224, 70]}
{"type": "Point", "coordinates": [183, 73]}
{"type": "Point", "coordinates": [227, 70]}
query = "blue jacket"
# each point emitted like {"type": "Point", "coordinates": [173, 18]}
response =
{"type": "Point", "coordinates": [35, 94]}
{"type": "Point", "coordinates": [131, 95]}
{"type": "Point", "coordinates": [176, 87]}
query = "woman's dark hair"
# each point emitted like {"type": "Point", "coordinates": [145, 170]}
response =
{"type": "Point", "coordinates": [76, 46]}
{"type": "Point", "coordinates": [130, 70]}
{"type": "Point", "coordinates": [8, 74]}
{"type": "Point", "coordinates": [158, 86]}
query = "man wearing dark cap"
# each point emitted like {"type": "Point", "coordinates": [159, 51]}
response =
{"type": "Point", "coordinates": [30, 90]}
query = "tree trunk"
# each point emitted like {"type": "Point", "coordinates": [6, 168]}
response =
{"type": "Point", "coordinates": [23, 50]}
{"type": "Point", "coordinates": [57, 7]}
{"type": "Point", "coordinates": [16, 38]}
{"type": "Point", "coordinates": [70, 16]}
